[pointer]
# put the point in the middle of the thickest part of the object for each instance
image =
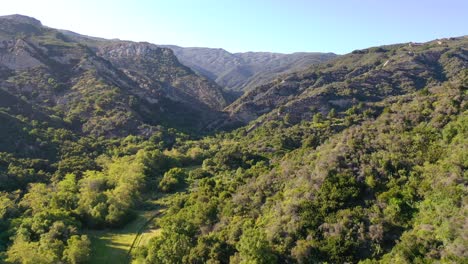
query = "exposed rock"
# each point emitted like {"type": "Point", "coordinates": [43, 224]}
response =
{"type": "Point", "coordinates": [104, 87]}
{"type": "Point", "coordinates": [23, 19]}
{"type": "Point", "coordinates": [17, 55]}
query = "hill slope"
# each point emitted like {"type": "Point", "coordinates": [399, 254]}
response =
{"type": "Point", "coordinates": [368, 75]}
{"type": "Point", "coordinates": [362, 159]}
{"type": "Point", "coordinates": [114, 88]}
{"type": "Point", "coordinates": [387, 186]}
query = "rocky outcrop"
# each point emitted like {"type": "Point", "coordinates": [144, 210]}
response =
{"type": "Point", "coordinates": [157, 68]}
{"type": "Point", "coordinates": [18, 54]}
{"type": "Point", "coordinates": [103, 87]}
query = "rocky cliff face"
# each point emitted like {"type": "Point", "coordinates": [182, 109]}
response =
{"type": "Point", "coordinates": [157, 68]}
{"type": "Point", "coordinates": [103, 87]}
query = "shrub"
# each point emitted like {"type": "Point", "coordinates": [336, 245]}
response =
{"type": "Point", "coordinates": [172, 179]}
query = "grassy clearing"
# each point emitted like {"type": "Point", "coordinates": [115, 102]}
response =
{"type": "Point", "coordinates": [112, 246]}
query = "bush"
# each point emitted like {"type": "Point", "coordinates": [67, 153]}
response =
{"type": "Point", "coordinates": [172, 179]}
{"type": "Point", "coordinates": [199, 174]}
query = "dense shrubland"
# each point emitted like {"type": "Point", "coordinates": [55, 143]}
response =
{"type": "Point", "coordinates": [383, 189]}
{"type": "Point", "coordinates": [350, 161]}
{"type": "Point", "coordinates": [387, 186]}
{"type": "Point", "coordinates": [47, 202]}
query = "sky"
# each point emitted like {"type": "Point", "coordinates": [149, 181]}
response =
{"type": "Point", "coordinates": [286, 26]}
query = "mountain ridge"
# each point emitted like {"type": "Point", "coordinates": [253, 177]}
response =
{"type": "Point", "coordinates": [53, 70]}
{"type": "Point", "coordinates": [363, 75]}
{"type": "Point", "coordinates": [360, 159]}
{"type": "Point", "coordinates": [242, 71]}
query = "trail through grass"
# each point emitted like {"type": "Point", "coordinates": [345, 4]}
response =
{"type": "Point", "coordinates": [113, 246]}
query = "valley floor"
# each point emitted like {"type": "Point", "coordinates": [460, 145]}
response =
{"type": "Point", "coordinates": [116, 245]}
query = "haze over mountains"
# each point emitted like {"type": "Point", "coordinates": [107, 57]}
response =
{"type": "Point", "coordinates": [240, 72]}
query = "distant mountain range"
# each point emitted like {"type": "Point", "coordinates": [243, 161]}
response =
{"type": "Point", "coordinates": [239, 72]}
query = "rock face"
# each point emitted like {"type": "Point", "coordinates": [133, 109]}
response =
{"type": "Point", "coordinates": [240, 72]}
{"type": "Point", "coordinates": [368, 75]}
{"type": "Point", "coordinates": [103, 87]}
{"type": "Point", "coordinates": [151, 66]}
{"type": "Point", "coordinates": [18, 55]}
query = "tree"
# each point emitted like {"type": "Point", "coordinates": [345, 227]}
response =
{"type": "Point", "coordinates": [288, 118]}
{"type": "Point", "coordinates": [303, 252]}
{"type": "Point", "coordinates": [92, 205]}
{"type": "Point", "coordinates": [317, 118]}
{"type": "Point", "coordinates": [66, 195]}
{"type": "Point", "coordinates": [172, 179]}
{"type": "Point", "coordinates": [77, 249]}
{"type": "Point", "coordinates": [254, 248]}
{"type": "Point", "coordinates": [168, 248]}
{"type": "Point", "coordinates": [26, 252]}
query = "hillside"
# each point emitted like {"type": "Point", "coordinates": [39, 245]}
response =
{"type": "Point", "coordinates": [240, 72]}
{"type": "Point", "coordinates": [388, 186]}
{"type": "Point", "coordinates": [116, 89]}
{"type": "Point", "coordinates": [115, 151]}
{"type": "Point", "coordinates": [368, 75]}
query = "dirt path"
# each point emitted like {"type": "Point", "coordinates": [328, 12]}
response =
{"type": "Point", "coordinates": [137, 240]}
{"type": "Point", "coordinates": [114, 246]}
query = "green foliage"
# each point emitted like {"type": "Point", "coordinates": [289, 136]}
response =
{"type": "Point", "coordinates": [107, 197]}
{"type": "Point", "coordinates": [163, 250]}
{"type": "Point", "coordinates": [381, 178]}
{"type": "Point", "coordinates": [253, 247]}
{"type": "Point", "coordinates": [172, 179]}
{"type": "Point", "coordinates": [77, 250]}
{"type": "Point", "coordinates": [346, 194]}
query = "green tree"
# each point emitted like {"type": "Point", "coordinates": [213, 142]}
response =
{"type": "Point", "coordinates": [172, 179]}
{"type": "Point", "coordinates": [168, 248]}
{"type": "Point", "coordinates": [254, 248]}
{"type": "Point", "coordinates": [77, 250]}
{"type": "Point", "coordinates": [317, 118]}
{"type": "Point", "coordinates": [92, 204]}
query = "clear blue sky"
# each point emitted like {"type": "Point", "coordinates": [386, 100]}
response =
{"type": "Point", "coordinates": [255, 25]}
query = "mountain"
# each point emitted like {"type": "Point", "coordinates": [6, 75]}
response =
{"type": "Point", "coordinates": [103, 87]}
{"type": "Point", "coordinates": [359, 159]}
{"type": "Point", "coordinates": [239, 72]}
{"type": "Point", "coordinates": [365, 76]}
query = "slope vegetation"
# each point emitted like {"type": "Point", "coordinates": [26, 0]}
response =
{"type": "Point", "coordinates": [110, 88]}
